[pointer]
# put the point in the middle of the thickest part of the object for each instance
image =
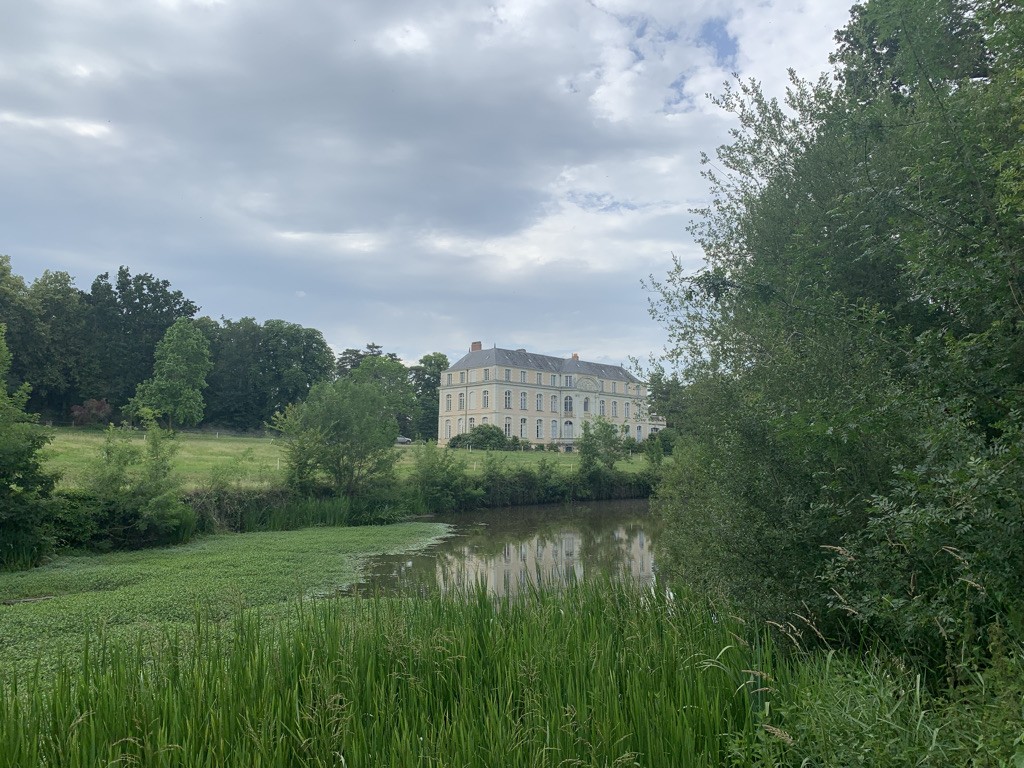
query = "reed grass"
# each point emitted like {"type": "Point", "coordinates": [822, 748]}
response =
{"type": "Point", "coordinates": [599, 675]}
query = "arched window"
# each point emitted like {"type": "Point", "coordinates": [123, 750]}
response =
{"type": "Point", "coordinates": [568, 404]}
{"type": "Point", "coordinates": [600, 407]}
{"type": "Point", "coordinates": [508, 426]}
{"type": "Point", "coordinates": [472, 401]}
{"type": "Point", "coordinates": [540, 402]}
{"type": "Point", "coordinates": [447, 402]}
{"type": "Point", "coordinates": [554, 429]}
{"type": "Point", "coordinates": [522, 428]}
{"type": "Point", "coordinates": [554, 403]}
{"type": "Point", "coordinates": [586, 405]}
{"type": "Point", "coordinates": [472, 423]}
{"type": "Point", "coordinates": [459, 430]}
{"type": "Point", "coordinates": [567, 430]}
{"type": "Point", "coordinates": [462, 401]}
{"type": "Point", "coordinates": [448, 429]}
{"type": "Point", "coordinates": [522, 401]}
{"type": "Point", "coordinates": [615, 409]}
{"type": "Point", "coordinates": [483, 420]}
{"type": "Point", "coordinates": [626, 409]}
{"type": "Point", "coordinates": [508, 399]}
{"type": "Point", "coordinates": [487, 398]}
{"type": "Point", "coordinates": [540, 429]}
{"type": "Point", "coordinates": [639, 433]}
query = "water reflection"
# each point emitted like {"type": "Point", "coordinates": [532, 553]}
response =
{"type": "Point", "coordinates": [518, 548]}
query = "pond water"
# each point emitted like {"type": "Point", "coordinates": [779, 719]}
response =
{"type": "Point", "coordinates": [511, 549]}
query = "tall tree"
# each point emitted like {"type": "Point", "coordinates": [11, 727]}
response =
{"type": "Point", "coordinates": [24, 485]}
{"type": "Point", "coordinates": [426, 380]}
{"type": "Point", "coordinates": [854, 342]}
{"type": "Point", "coordinates": [179, 376]}
{"type": "Point", "coordinates": [62, 362]}
{"type": "Point", "coordinates": [345, 430]}
{"type": "Point", "coordinates": [292, 359]}
{"type": "Point", "coordinates": [391, 377]}
{"type": "Point", "coordinates": [128, 318]}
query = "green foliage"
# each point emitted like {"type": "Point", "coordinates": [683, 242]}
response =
{"type": "Point", "coordinates": [467, 681]}
{"type": "Point", "coordinates": [440, 483]}
{"type": "Point", "coordinates": [25, 486]}
{"type": "Point", "coordinates": [482, 437]}
{"type": "Point", "coordinates": [600, 446]}
{"type": "Point", "coordinates": [135, 494]}
{"type": "Point", "coordinates": [837, 710]}
{"type": "Point", "coordinates": [426, 379]}
{"type": "Point", "coordinates": [179, 376]}
{"type": "Point", "coordinates": [344, 433]}
{"type": "Point", "coordinates": [851, 389]}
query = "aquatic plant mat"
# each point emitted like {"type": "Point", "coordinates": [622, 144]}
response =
{"type": "Point", "coordinates": [595, 675]}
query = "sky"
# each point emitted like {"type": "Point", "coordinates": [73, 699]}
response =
{"type": "Point", "coordinates": [420, 174]}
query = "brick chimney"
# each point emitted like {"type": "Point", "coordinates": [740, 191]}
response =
{"type": "Point", "coordinates": [576, 356]}
{"type": "Point", "coordinates": [476, 346]}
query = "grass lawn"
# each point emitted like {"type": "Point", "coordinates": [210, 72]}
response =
{"type": "Point", "coordinates": [256, 460]}
{"type": "Point", "coordinates": [166, 589]}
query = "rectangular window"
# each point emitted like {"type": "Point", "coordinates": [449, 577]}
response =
{"type": "Point", "coordinates": [615, 387]}
{"type": "Point", "coordinates": [449, 379]}
{"type": "Point", "coordinates": [522, 377]}
{"type": "Point", "coordinates": [540, 379]}
{"type": "Point", "coordinates": [508, 374]}
{"type": "Point", "coordinates": [487, 374]}
{"type": "Point", "coordinates": [568, 380]}
{"type": "Point", "coordinates": [554, 380]}
{"type": "Point", "coordinates": [602, 385]}
{"type": "Point", "coordinates": [487, 398]}
{"type": "Point", "coordinates": [472, 377]}
{"type": "Point", "coordinates": [462, 377]}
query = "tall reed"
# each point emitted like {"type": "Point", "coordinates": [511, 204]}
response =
{"type": "Point", "coordinates": [596, 675]}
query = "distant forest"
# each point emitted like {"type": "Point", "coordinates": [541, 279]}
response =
{"type": "Point", "coordinates": [84, 353]}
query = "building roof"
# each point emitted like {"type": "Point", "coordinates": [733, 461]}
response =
{"type": "Point", "coordinates": [520, 358]}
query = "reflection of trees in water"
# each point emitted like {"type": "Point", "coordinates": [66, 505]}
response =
{"type": "Point", "coordinates": [549, 545]}
{"type": "Point", "coordinates": [513, 547]}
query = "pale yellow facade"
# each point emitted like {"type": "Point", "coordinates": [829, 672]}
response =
{"type": "Point", "coordinates": [539, 398]}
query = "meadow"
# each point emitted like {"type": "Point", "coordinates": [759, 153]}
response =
{"type": "Point", "coordinates": [254, 460]}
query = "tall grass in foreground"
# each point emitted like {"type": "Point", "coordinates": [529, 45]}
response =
{"type": "Point", "coordinates": [598, 675]}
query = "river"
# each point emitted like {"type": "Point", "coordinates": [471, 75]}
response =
{"type": "Point", "coordinates": [519, 547]}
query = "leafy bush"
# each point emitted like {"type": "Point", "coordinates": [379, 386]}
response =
{"type": "Point", "coordinates": [140, 498]}
{"type": "Point", "coordinates": [484, 437]}
{"type": "Point", "coordinates": [91, 413]}
{"type": "Point", "coordinates": [439, 482]}
{"type": "Point", "coordinates": [25, 487]}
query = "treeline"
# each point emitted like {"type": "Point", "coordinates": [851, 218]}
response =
{"type": "Point", "coordinates": [850, 379]}
{"type": "Point", "coordinates": [85, 353]}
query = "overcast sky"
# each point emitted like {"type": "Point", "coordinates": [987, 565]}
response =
{"type": "Point", "coordinates": [416, 173]}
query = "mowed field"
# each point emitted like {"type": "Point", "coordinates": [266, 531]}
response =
{"type": "Point", "coordinates": [252, 460]}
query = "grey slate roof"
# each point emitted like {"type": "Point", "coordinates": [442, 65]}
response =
{"type": "Point", "coordinates": [519, 358]}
